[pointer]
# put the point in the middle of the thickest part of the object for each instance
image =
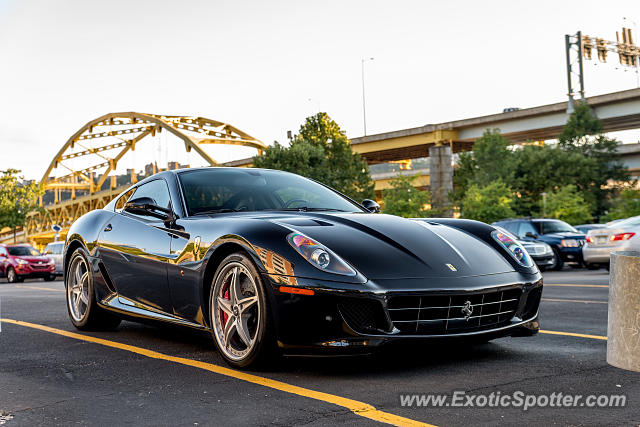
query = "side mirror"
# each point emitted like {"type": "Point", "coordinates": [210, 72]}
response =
{"type": "Point", "coordinates": [531, 235]}
{"type": "Point", "coordinates": [146, 206]}
{"type": "Point", "coordinates": [371, 206]}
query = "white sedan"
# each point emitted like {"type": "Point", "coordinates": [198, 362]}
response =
{"type": "Point", "coordinates": [621, 236]}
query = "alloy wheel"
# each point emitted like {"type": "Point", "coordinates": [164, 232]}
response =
{"type": "Point", "coordinates": [11, 276]}
{"type": "Point", "coordinates": [236, 311]}
{"type": "Point", "coordinates": [78, 289]}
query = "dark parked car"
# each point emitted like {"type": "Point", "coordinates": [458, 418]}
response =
{"type": "Point", "coordinates": [19, 262]}
{"type": "Point", "coordinates": [565, 240]}
{"type": "Point", "coordinates": [270, 262]}
{"type": "Point", "coordinates": [542, 253]}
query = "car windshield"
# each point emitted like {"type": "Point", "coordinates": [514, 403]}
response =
{"type": "Point", "coordinates": [629, 222]}
{"type": "Point", "coordinates": [218, 190]}
{"type": "Point", "coordinates": [22, 251]}
{"type": "Point", "coordinates": [547, 227]}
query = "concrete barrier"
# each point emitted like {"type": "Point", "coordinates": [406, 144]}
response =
{"type": "Point", "coordinates": [623, 331]}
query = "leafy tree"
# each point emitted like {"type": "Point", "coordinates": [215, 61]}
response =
{"type": "Point", "coordinates": [403, 199]}
{"type": "Point", "coordinates": [490, 159]}
{"type": "Point", "coordinates": [321, 150]}
{"type": "Point", "coordinates": [567, 204]}
{"type": "Point", "coordinates": [17, 199]}
{"type": "Point", "coordinates": [625, 205]}
{"type": "Point", "coordinates": [488, 203]}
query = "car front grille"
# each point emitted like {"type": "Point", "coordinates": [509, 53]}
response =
{"type": "Point", "coordinates": [442, 314]}
{"type": "Point", "coordinates": [39, 266]}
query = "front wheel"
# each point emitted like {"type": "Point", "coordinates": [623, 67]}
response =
{"type": "Point", "coordinates": [84, 312]}
{"type": "Point", "coordinates": [239, 317]}
{"type": "Point", "coordinates": [559, 263]}
{"type": "Point", "coordinates": [12, 277]}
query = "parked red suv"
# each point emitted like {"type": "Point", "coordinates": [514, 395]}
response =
{"type": "Point", "coordinates": [18, 262]}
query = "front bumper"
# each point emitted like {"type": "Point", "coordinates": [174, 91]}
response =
{"type": "Point", "coordinates": [571, 254]}
{"type": "Point", "coordinates": [355, 318]}
{"type": "Point", "coordinates": [543, 260]}
{"type": "Point", "coordinates": [35, 271]}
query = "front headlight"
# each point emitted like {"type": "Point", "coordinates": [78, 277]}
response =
{"type": "Point", "coordinates": [318, 255]}
{"type": "Point", "coordinates": [570, 243]}
{"type": "Point", "coordinates": [514, 248]}
{"type": "Point", "coordinates": [21, 261]}
{"type": "Point", "coordinates": [51, 261]}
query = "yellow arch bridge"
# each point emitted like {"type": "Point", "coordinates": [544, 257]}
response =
{"type": "Point", "coordinates": [98, 147]}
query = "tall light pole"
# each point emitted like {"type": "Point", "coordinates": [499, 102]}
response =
{"type": "Point", "coordinates": [635, 27]}
{"type": "Point", "coordinates": [364, 107]}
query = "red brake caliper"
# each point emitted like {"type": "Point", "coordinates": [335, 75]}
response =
{"type": "Point", "coordinates": [224, 316]}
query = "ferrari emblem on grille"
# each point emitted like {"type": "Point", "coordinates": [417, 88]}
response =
{"type": "Point", "coordinates": [467, 309]}
{"type": "Point", "coordinates": [451, 267]}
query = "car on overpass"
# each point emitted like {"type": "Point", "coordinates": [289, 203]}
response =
{"type": "Point", "coordinates": [19, 262]}
{"type": "Point", "coordinates": [565, 240]}
{"type": "Point", "coordinates": [620, 236]}
{"type": "Point", "coordinates": [273, 263]}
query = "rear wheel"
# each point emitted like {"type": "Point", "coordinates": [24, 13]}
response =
{"type": "Point", "coordinates": [239, 317]}
{"type": "Point", "coordinates": [84, 312]}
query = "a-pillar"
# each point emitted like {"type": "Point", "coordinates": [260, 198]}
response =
{"type": "Point", "coordinates": [441, 179]}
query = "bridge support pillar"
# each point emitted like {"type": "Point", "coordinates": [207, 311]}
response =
{"type": "Point", "coordinates": [441, 179]}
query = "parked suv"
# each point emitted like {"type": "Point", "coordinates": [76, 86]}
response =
{"type": "Point", "coordinates": [54, 251]}
{"type": "Point", "coordinates": [18, 262]}
{"type": "Point", "coordinates": [566, 241]}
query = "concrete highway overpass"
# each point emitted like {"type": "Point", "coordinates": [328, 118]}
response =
{"type": "Point", "coordinates": [618, 111]}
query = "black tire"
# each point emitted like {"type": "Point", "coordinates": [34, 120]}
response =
{"type": "Point", "coordinates": [12, 276]}
{"type": "Point", "coordinates": [542, 268]}
{"type": "Point", "coordinates": [559, 262]}
{"type": "Point", "coordinates": [591, 266]}
{"type": "Point", "coordinates": [264, 347]}
{"type": "Point", "coordinates": [50, 278]}
{"type": "Point", "coordinates": [93, 318]}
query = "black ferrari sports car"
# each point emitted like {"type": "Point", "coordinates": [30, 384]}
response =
{"type": "Point", "coordinates": [273, 263]}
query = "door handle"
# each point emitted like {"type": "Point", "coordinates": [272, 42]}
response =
{"type": "Point", "coordinates": [108, 227]}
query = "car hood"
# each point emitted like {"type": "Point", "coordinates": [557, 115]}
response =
{"type": "Point", "coordinates": [385, 246]}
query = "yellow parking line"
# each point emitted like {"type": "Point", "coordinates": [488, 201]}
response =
{"type": "Point", "coordinates": [573, 334]}
{"type": "Point", "coordinates": [359, 408]}
{"type": "Point", "coordinates": [586, 301]}
{"type": "Point", "coordinates": [39, 288]}
{"type": "Point", "coordinates": [577, 285]}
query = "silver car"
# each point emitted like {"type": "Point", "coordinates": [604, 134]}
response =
{"type": "Point", "coordinates": [54, 251]}
{"type": "Point", "coordinates": [621, 236]}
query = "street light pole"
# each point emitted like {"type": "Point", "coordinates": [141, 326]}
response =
{"type": "Point", "coordinates": [635, 27]}
{"type": "Point", "coordinates": [364, 107]}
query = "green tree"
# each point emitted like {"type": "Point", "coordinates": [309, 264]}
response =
{"type": "Point", "coordinates": [582, 135]}
{"type": "Point", "coordinates": [625, 205]}
{"type": "Point", "coordinates": [566, 203]}
{"type": "Point", "coordinates": [321, 150]}
{"type": "Point", "coordinates": [491, 159]}
{"type": "Point", "coordinates": [488, 203]}
{"type": "Point", "coordinates": [17, 199]}
{"type": "Point", "coordinates": [403, 199]}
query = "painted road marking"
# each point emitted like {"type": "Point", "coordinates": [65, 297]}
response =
{"type": "Point", "coordinates": [38, 288]}
{"type": "Point", "coordinates": [586, 301]}
{"type": "Point", "coordinates": [359, 408]}
{"type": "Point", "coordinates": [572, 334]}
{"type": "Point", "coordinates": [576, 285]}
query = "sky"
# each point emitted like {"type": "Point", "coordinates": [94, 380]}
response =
{"type": "Point", "coordinates": [265, 66]}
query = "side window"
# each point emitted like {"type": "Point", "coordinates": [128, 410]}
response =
{"type": "Point", "coordinates": [526, 227]}
{"type": "Point", "coordinates": [157, 190]}
{"type": "Point", "coordinates": [3, 251]}
{"type": "Point", "coordinates": [123, 199]}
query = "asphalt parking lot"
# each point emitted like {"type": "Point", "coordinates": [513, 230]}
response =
{"type": "Point", "coordinates": [144, 375]}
